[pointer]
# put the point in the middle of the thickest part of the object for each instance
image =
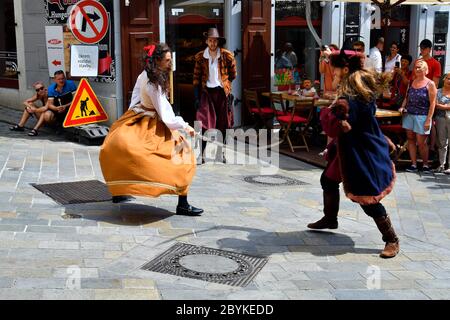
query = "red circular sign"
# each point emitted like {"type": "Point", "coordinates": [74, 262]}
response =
{"type": "Point", "coordinates": [83, 21]}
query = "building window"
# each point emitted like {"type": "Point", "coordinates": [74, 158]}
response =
{"type": "Point", "coordinates": [8, 50]}
{"type": "Point", "coordinates": [291, 28]}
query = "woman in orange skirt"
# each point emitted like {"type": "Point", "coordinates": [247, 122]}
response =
{"type": "Point", "coordinates": [144, 154]}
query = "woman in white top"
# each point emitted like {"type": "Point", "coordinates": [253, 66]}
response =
{"type": "Point", "coordinates": [144, 154]}
{"type": "Point", "coordinates": [392, 58]}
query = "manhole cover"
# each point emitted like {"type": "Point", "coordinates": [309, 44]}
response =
{"type": "Point", "coordinates": [68, 216]}
{"type": "Point", "coordinates": [207, 264]}
{"type": "Point", "coordinates": [76, 192]}
{"type": "Point", "coordinates": [273, 180]}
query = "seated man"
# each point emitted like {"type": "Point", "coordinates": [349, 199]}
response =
{"type": "Point", "coordinates": [35, 106]}
{"type": "Point", "coordinates": [60, 95]}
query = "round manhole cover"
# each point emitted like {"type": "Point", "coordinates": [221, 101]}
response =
{"type": "Point", "coordinates": [206, 263]}
{"type": "Point", "coordinates": [269, 180]}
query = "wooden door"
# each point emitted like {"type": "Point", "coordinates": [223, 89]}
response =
{"type": "Point", "coordinates": [256, 47]}
{"type": "Point", "coordinates": [140, 27]}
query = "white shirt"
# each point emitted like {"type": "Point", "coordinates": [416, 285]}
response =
{"type": "Point", "coordinates": [213, 79]}
{"type": "Point", "coordinates": [390, 64]}
{"type": "Point", "coordinates": [305, 92]}
{"type": "Point", "coordinates": [376, 59]}
{"type": "Point", "coordinates": [160, 103]}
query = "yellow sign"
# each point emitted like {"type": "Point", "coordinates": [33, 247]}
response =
{"type": "Point", "coordinates": [85, 107]}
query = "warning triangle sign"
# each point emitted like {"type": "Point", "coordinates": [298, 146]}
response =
{"type": "Point", "coordinates": [85, 107]}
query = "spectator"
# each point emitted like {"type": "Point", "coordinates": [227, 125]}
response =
{"type": "Point", "coordinates": [360, 46]}
{"type": "Point", "coordinates": [434, 73]}
{"type": "Point", "coordinates": [375, 55]}
{"type": "Point", "coordinates": [308, 90]}
{"type": "Point", "coordinates": [392, 58]}
{"type": "Point", "coordinates": [419, 108]}
{"type": "Point", "coordinates": [35, 106]}
{"type": "Point", "coordinates": [434, 67]}
{"type": "Point", "coordinates": [326, 69]}
{"type": "Point", "coordinates": [401, 80]}
{"type": "Point", "coordinates": [60, 95]}
{"type": "Point", "coordinates": [281, 61]}
{"type": "Point", "coordinates": [290, 54]}
{"type": "Point", "coordinates": [442, 118]}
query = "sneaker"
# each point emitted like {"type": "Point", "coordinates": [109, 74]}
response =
{"type": "Point", "coordinates": [439, 169]}
{"type": "Point", "coordinates": [426, 170]}
{"type": "Point", "coordinates": [412, 169]}
{"type": "Point", "coordinates": [447, 171]}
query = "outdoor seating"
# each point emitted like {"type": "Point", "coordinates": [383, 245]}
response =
{"type": "Point", "coordinates": [263, 114]}
{"type": "Point", "coordinates": [299, 116]}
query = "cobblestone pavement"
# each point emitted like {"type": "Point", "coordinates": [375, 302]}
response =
{"type": "Point", "coordinates": [39, 249]}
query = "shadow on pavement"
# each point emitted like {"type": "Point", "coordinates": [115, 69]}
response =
{"type": "Point", "coordinates": [440, 181]}
{"type": "Point", "coordinates": [318, 243]}
{"type": "Point", "coordinates": [129, 214]}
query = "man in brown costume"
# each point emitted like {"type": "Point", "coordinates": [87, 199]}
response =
{"type": "Point", "coordinates": [215, 69]}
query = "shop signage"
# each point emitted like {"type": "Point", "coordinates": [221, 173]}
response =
{"type": "Point", "coordinates": [83, 61]}
{"type": "Point", "coordinates": [54, 41]}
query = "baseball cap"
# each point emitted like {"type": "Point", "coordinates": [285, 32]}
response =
{"type": "Point", "coordinates": [425, 43]}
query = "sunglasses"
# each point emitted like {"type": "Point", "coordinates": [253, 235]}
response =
{"type": "Point", "coordinates": [358, 49]}
{"type": "Point", "coordinates": [39, 89]}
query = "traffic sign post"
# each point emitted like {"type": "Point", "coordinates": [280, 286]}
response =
{"type": "Point", "coordinates": [88, 21]}
{"type": "Point", "coordinates": [85, 107]}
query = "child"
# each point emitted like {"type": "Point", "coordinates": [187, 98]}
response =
{"type": "Point", "coordinates": [308, 90]}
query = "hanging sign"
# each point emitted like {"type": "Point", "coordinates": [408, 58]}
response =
{"type": "Point", "coordinates": [54, 40]}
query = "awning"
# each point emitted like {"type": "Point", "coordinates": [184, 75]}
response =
{"type": "Point", "coordinates": [408, 2]}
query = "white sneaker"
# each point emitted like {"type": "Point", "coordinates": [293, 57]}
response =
{"type": "Point", "coordinates": [447, 171]}
{"type": "Point", "coordinates": [439, 169]}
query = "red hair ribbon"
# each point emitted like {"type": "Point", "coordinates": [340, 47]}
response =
{"type": "Point", "coordinates": [150, 49]}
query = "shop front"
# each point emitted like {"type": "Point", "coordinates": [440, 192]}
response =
{"type": "Point", "coordinates": [8, 50]}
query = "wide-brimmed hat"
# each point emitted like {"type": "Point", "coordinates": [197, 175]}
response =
{"type": "Point", "coordinates": [214, 33]}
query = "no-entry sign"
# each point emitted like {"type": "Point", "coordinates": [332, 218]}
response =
{"type": "Point", "coordinates": [88, 21]}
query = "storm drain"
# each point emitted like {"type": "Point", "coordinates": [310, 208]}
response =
{"type": "Point", "coordinates": [273, 180]}
{"type": "Point", "coordinates": [76, 192]}
{"type": "Point", "coordinates": [207, 264]}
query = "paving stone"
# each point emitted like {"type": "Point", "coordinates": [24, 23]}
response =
{"type": "Point", "coordinates": [126, 294]}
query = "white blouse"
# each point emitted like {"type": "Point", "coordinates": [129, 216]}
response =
{"type": "Point", "coordinates": [159, 102]}
{"type": "Point", "coordinates": [390, 64]}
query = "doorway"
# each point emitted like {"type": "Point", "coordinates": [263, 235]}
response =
{"type": "Point", "coordinates": [186, 21]}
{"type": "Point", "coordinates": [139, 27]}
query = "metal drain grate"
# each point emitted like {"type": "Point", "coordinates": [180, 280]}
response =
{"type": "Point", "coordinates": [273, 180]}
{"type": "Point", "coordinates": [76, 192]}
{"type": "Point", "coordinates": [207, 264]}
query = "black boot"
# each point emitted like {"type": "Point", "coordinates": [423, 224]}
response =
{"type": "Point", "coordinates": [392, 246]}
{"type": "Point", "coordinates": [185, 209]}
{"type": "Point", "coordinates": [330, 209]}
{"type": "Point", "coordinates": [121, 199]}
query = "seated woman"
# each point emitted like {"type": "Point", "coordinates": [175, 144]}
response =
{"type": "Point", "coordinates": [35, 106]}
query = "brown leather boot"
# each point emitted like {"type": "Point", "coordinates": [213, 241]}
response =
{"type": "Point", "coordinates": [392, 247]}
{"type": "Point", "coordinates": [330, 209]}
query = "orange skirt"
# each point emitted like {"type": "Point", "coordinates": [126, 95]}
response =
{"type": "Point", "coordinates": [142, 157]}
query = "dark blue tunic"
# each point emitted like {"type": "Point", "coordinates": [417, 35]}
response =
{"type": "Point", "coordinates": [367, 171]}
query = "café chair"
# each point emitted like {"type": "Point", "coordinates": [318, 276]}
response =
{"type": "Point", "coordinates": [263, 114]}
{"type": "Point", "coordinates": [300, 116]}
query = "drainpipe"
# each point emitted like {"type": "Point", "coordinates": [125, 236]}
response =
{"type": "Point", "coordinates": [118, 58]}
